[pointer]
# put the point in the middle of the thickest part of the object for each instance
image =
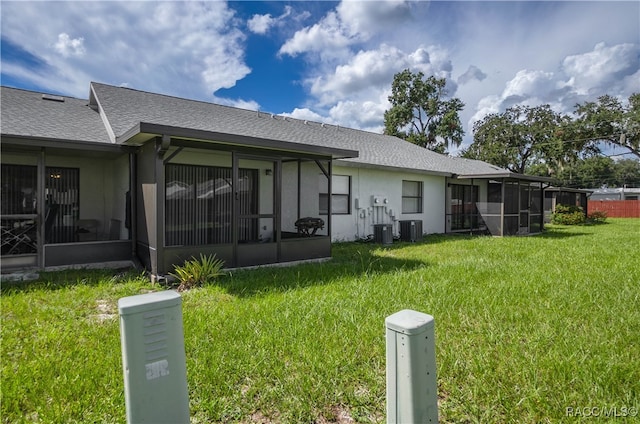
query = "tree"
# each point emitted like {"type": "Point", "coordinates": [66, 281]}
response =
{"type": "Point", "coordinates": [627, 173]}
{"type": "Point", "coordinates": [420, 114]}
{"type": "Point", "coordinates": [524, 136]}
{"type": "Point", "coordinates": [607, 120]}
{"type": "Point", "coordinates": [594, 172]}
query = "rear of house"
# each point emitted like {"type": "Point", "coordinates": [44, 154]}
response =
{"type": "Point", "coordinates": [134, 176]}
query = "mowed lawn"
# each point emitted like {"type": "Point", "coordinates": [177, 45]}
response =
{"type": "Point", "coordinates": [528, 329]}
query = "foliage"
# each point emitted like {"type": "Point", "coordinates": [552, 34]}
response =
{"type": "Point", "coordinates": [196, 272]}
{"type": "Point", "coordinates": [420, 114]}
{"type": "Point", "coordinates": [597, 217]}
{"type": "Point", "coordinates": [608, 120]}
{"type": "Point", "coordinates": [540, 141]}
{"type": "Point", "coordinates": [522, 136]}
{"type": "Point", "coordinates": [594, 172]}
{"type": "Point", "coordinates": [568, 215]}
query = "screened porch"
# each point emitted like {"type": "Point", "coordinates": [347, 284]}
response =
{"type": "Point", "coordinates": [495, 206]}
{"type": "Point", "coordinates": [246, 206]}
{"type": "Point", "coordinates": [62, 208]}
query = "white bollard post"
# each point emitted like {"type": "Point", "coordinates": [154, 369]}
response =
{"type": "Point", "coordinates": [153, 358]}
{"type": "Point", "coordinates": [412, 387]}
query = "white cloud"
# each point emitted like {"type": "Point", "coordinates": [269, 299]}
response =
{"type": "Point", "coordinates": [370, 71]}
{"type": "Point", "coordinates": [473, 73]}
{"type": "Point", "coordinates": [328, 38]}
{"type": "Point", "coordinates": [239, 103]}
{"type": "Point", "coordinates": [363, 115]}
{"type": "Point", "coordinates": [306, 114]}
{"type": "Point", "coordinates": [68, 46]}
{"type": "Point", "coordinates": [350, 23]}
{"type": "Point", "coordinates": [261, 24]}
{"type": "Point", "coordinates": [369, 17]}
{"type": "Point", "coordinates": [604, 70]}
{"type": "Point", "coordinates": [189, 49]}
{"type": "Point", "coordinates": [603, 67]}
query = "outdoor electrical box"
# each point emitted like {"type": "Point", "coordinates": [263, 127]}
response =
{"type": "Point", "coordinates": [412, 389]}
{"type": "Point", "coordinates": [153, 358]}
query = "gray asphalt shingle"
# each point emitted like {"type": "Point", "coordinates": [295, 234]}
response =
{"type": "Point", "coordinates": [26, 114]}
{"type": "Point", "coordinates": [127, 107]}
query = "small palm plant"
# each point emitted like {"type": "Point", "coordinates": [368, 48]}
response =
{"type": "Point", "coordinates": [196, 272]}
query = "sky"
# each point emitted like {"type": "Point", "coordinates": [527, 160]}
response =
{"type": "Point", "coordinates": [325, 61]}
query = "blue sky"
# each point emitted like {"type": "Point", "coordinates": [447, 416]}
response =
{"type": "Point", "coordinates": [328, 61]}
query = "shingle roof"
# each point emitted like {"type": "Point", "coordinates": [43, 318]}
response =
{"type": "Point", "coordinates": [126, 107]}
{"type": "Point", "coordinates": [29, 114]}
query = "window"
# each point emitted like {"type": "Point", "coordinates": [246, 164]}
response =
{"type": "Point", "coordinates": [464, 214]}
{"type": "Point", "coordinates": [341, 196]}
{"type": "Point", "coordinates": [411, 196]}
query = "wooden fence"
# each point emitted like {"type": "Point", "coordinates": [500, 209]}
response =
{"type": "Point", "coordinates": [616, 208]}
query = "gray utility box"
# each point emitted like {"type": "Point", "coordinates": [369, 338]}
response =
{"type": "Point", "coordinates": [412, 388]}
{"type": "Point", "coordinates": [411, 230]}
{"type": "Point", "coordinates": [153, 358]}
{"type": "Point", "coordinates": [383, 233]}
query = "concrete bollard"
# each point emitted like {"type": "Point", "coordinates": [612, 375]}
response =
{"type": "Point", "coordinates": [412, 387]}
{"type": "Point", "coordinates": [153, 358]}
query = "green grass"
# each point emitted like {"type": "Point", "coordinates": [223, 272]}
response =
{"type": "Point", "coordinates": [526, 327]}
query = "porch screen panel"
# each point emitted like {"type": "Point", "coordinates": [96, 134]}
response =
{"type": "Point", "coordinates": [464, 212]}
{"type": "Point", "coordinates": [511, 208]}
{"type": "Point", "coordinates": [220, 216]}
{"type": "Point", "coordinates": [199, 202]}
{"type": "Point", "coordinates": [536, 212]}
{"type": "Point", "coordinates": [18, 203]}
{"type": "Point", "coordinates": [248, 205]}
{"type": "Point", "coordinates": [18, 189]}
{"type": "Point", "coordinates": [62, 208]}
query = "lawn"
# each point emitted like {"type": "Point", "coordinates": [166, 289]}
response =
{"type": "Point", "coordinates": [526, 327]}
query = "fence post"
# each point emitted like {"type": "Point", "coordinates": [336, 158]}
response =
{"type": "Point", "coordinates": [153, 358]}
{"type": "Point", "coordinates": [412, 388]}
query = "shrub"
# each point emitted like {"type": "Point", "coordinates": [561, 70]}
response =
{"type": "Point", "coordinates": [598, 217]}
{"type": "Point", "coordinates": [196, 272]}
{"type": "Point", "coordinates": [568, 215]}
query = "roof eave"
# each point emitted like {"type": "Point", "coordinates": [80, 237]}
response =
{"type": "Point", "coordinates": [368, 165]}
{"type": "Point", "coordinates": [34, 141]}
{"type": "Point", "coordinates": [511, 175]}
{"type": "Point", "coordinates": [143, 131]}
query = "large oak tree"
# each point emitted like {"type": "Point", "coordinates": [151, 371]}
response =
{"type": "Point", "coordinates": [421, 113]}
{"type": "Point", "coordinates": [523, 136]}
{"type": "Point", "coordinates": [608, 121]}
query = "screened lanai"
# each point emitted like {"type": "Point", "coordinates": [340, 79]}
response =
{"type": "Point", "coordinates": [63, 207]}
{"type": "Point", "coordinates": [500, 205]}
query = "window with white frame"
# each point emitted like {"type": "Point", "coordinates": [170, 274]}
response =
{"type": "Point", "coordinates": [341, 195]}
{"type": "Point", "coordinates": [411, 196]}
